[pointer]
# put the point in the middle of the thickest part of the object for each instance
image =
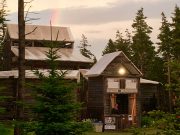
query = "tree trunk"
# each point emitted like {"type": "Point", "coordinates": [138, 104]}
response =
{"type": "Point", "coordinates": [169, 83]}
{"type": "Point", "coordinates": [21, 67]}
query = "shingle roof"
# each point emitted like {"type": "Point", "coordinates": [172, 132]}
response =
{"type": "Point", "coordinates": [101, 65]}
{"type": "Point", "coordinates": [41, 32]}
{"type": "Point", "coordinates": [39, 53]}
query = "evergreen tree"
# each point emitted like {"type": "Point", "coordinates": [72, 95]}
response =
{"type": "Point", "coordinates": [176, 33]}
{"type": "Point", "coordinates": [56, 108]}
{"type": "Point", "coordinates": [165, 37]}
{"type": "Point", "coordinates": [142, 48]}
{"type": "Point", "coordinates": [123, 44]}
{"type": "Point", "coordinates": [3, 15]}
{"type": "Point", "coordinates": [3, 19]}
{"type": "Point", "coordinates": [110, 47]}
{"type": "Point", "coordinates": [165, 44]}
{"type": "Point", "coordinates": [175, 64]}
{"type": "Point", "coordinates": [84, 48]}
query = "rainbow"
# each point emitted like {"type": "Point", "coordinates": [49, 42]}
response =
{"type": "Point", "coordinates": [55, 16]}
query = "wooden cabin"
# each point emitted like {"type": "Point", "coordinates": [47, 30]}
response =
{"type": "Point", "coordinates": [113, 92]}
{"type": "Point", "coordinates": [8, 81]}
{"type": "Point", "coordinates": [37, 39]}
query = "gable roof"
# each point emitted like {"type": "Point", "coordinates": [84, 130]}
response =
{"type": "Point", "coordinates": [41, 32]}
{"type": "Point", "coordinates": [101, 65]}
{"type": "Point", "coordinates": [39, 53]}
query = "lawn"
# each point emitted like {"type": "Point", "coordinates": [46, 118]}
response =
{"type": "Point", "coordinates": [147, 131]}
{"type": "Point", "coordinates": [110, 133]}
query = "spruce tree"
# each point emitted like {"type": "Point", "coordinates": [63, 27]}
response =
{"type": "Point", "coordinates": [123, 44]}
{"type": "Point", "coordinates": [165, 45]}
{"type": "Point", "coordinates": [111, 47]}
{"type": "Point", "coordinates": [165, 37]}
{"type": "Point", "coordinates": [176, 33]}
{"type": "Point", "coordinates": [56, 106]}
{"type": "Point", "coordinates": [142, 46]}
{"type": "Point", "coordinates": [84, 48]}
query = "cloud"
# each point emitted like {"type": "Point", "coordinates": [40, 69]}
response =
{"type": "Point", "coordinates": [101, 23]}
{"type": "Point", "coordinates": [94, 31]}
{"type": "Point", "coordinates": [116, 11]}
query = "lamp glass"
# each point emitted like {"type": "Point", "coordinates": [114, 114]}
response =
{"type": "Point", "coordinates": [122, 71]}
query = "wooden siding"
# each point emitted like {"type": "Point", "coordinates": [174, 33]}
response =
{"type": "Point", "coordinates": [63, 65]}
{"type": "Point", "coordinates": [95, 103]}
{"type": "Point", "coordinates": [113, 67]}
{"type": "Point", "coordinates": [9, 90]}
{"type": "Point", "coordinates": [7, 55]}
{"type": "Point", "coordinates": [153, 97]}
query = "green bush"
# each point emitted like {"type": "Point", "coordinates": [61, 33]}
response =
{"type": "Point", "coordinates": [4, 130]}
{"type": "Point", "coordinates": [146, 121]}
{"type": "Point", "coordinates": [168, 122]}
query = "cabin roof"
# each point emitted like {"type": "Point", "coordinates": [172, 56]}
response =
{"type": "Point", "coordinates": [39, 53]}
{"type": "Point", "coordinates": [145, 81]}
{"type": "Point", "coordinates": [101, 65]}
{"type": "Point", "coordinates": [70, 74]}
{"type": "Point", "coordinates": [42, 33]}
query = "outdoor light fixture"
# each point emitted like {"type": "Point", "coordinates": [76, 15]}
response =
{"type": "Point", "coordinates": [122, 71]}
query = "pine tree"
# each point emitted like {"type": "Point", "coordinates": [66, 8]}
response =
{"type": "Point", "coordinates": [110, 47]}
{"type": "Point", "coordinates": [142, 46]}
{"type": "Point", "coordinates": [56, 106]}
{"type": "Point", "coordinates": [176, 33]}
{"type": "Point", "coordinates": [84, 48]}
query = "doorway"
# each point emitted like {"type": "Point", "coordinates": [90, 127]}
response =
{"type": "Point", "coordinates": [119, 103]}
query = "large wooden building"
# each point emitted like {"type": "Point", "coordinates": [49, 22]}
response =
{"type": "Point", "coordinates": [112, 90]}
{"type": "Point", "coordinates": [37, 40]}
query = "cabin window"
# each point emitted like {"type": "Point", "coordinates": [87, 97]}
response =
{"type": "Point", "coordinates": [119, 103]}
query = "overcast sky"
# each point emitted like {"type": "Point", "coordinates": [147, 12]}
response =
{"type": "Point", "coordinates": [97, 19]}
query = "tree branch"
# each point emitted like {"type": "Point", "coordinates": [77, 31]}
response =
{"type": "Point", "coordinates": [31, 31]}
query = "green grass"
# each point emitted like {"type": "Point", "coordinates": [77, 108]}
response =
{"type": "Point", "coordinates": [147, 131]}
{"type": "Point", "coordinates": [109, 133]}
